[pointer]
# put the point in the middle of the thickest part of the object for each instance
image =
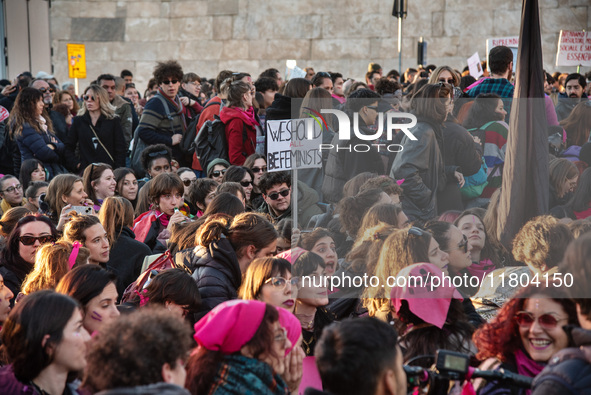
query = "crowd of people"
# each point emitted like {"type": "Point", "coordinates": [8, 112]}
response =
{"type": "Point", "coordinates": [133, 262]}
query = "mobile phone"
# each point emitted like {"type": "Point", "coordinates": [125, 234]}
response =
{"type": "Point", "coordinates": [82, 210]}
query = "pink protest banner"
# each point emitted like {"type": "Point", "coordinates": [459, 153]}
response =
{"type": "Point", "coordinates": [310, 375]}
{"type": "Point", "coordinates": [574, 48]}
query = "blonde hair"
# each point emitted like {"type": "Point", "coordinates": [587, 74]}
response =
{"type": "Point", "coordinates": [51, 264]}
{"type": "Point", "coordinates": [107, 109]}
{"type": "Point", "coordinates": [116, 213]}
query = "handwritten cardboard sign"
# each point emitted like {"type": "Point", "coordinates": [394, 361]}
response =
{"type": "Point", "coordinates": [293, 144]}
{"type": "Point", "coordinates": [574, 48]}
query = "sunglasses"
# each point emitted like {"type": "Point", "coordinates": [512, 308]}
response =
{"type": "Point", "coordinates": [323, 74]}
{"type": "Point", "coordinates": [275, 195]}
{"type": "Point", "coordinates": [463, 245]}
{"type": "Point", "coordinates": [45, 90]}
{"type": "Point", "coordinates": [159, 153]}
{"type": "Point", "coordinates": [218, 173]}
{"type": "Point", "coordinates": [280, 282]}
{"type": "Point", "coordinates": [546, 321]}
{"type": "Point", "coordinates": [30, 240]}
{"type": "Point", "coordinates": [167, 82]}
{"type": "Point", "coordinates": [188, 183]}
{"type": "Point", "coordinates": [375, 108]}
{"type": "Point", "coordinates": [245, 184]}
{"type": "Point", "coordinates": [12, 189]}
{"type": "Point", "coordinates": [259, 169]}
{"type": "Point", "coordinates": [88, 98]}
{"type": "Point", "coordinates": [449, 80]}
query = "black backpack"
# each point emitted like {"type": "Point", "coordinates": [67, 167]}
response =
{"type": "Point", "coordinates": [211, 142]}
{"type": "Point", "coordinates": [188, 142]}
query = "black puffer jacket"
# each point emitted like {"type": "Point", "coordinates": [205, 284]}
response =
{"type": "Point", "coordinates": [421, 165]}
{"type": "Point", "coordinates": [279, 109]}
{"type": "Point", "coordinates": [569, 370]}
{"type": "Point", "coordinates": [218, 275]}
{"type": "Point", "coordinates": [126, 258]}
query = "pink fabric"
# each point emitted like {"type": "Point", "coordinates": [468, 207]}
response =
{"type": "Point", "coordinates": [481, 268]}
{"type": "Point", "coordinates": [292, 325]}
{"type": "Point", "coordinates": [291, 255]}
{"type": "Point", "coordinates": [478, 82]}
{"type": "Point", "coordinates": [230, 325]}
{"type": "Point", "coordinates": [339, 98]}
{"type": "Point", "coordinates": [527, 366]}
{"type": "Point", "coordinates": [73, 254]}
{"type": "Point", "coordinates": [428, 298]}
{"type": "Point", "coordinates": [310, 375]}
{"type": "Point", "coordinates": [583, 214]}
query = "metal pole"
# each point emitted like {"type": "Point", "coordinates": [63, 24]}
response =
{"type": "Point", "coordinates": [400, 44]}
{"type": "Point", "coordinates": [76, 85]}
{"type": "Point", "coordinates": [294, 199]}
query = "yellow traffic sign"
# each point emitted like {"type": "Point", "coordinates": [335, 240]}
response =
{"type": "Point", "coordinates": [76, 61]}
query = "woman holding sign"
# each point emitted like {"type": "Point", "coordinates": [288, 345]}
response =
{"type": "Point", "coordinates": [240, 121]}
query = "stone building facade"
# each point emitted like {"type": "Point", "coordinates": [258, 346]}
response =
{"type": "Point", "coordinates": [250, 35]}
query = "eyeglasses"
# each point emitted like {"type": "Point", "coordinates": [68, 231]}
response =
{"type": "Point", "coordinates": [45, 90]}
{"type": "Point", "coordinates": [188, 183]}
{"type": "Point", "coordinates": [14, 188]}
{"type": "Point", "coordinates": [375, 108]}
{"type": "Point", "coordinates": [280, 282]}
{"type": "Point", "coordinates": [259, 169]}
{"type": "Point", "coordinates": [159, 153]}
{"type": "Point", "coordinates": [245, 184]}
{"type": "Point", "coordinates": [88, 98]}
{"type": "Point", "coordinates": [275, 195]}
{"type": "Point", "coordinates": [461, 246]}
{"type": "Point", "coordinates": [30, 240]}
{"type": "Point", "coordinates": [217, 173]}
{"type": "Point", "coordinates": [167, 82]}
{"type": "Point", "coordinates": [546, 321]}
{"type": "Point", "coordinates": [281, 337]}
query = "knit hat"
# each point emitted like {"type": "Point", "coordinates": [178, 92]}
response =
{"type": "Point", "coordinates": [230, 325]}
{"type": "Point", "coordinates": [427, 291]}
{"type": "Point", "coordinates": [218, 161]}
{"type": "Point", "coordinates": [292, 325]}
{"type": "Point", "coordinates": [291, 255]}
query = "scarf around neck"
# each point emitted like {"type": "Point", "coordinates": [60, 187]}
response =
{"type": "Point", "coordinates": [238, 374]}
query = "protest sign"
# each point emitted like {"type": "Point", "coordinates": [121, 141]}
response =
{"type": "Point", "coordinates": [574, 48]}
{"type": "Point", "coordinates": [511, 42]}
{"type": "Point", "coordinates": [474, 66]}
{"type": "Point", "coordinates": [293, 144]}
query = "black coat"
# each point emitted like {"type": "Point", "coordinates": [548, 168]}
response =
{"type": "Point", "coordinates": [421, 165]}
{"type": "Point", "coordinates": [218, 275]}
{"type": "Point", "coordinates": [126, 258]}
{"type": "Point", "coordinates": [343, 165]}
{"type": "Point", "coordinates": [279, 109]}
{"type": "Point", "coordinates": [81, 135]}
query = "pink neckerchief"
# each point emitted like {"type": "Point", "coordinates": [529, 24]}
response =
{"type": "Point", "coordinates": [163, 218]}
{"type": "Point", "coordinates": [527, 366]}
{"type": "Point", "coordinates": [481, 269]}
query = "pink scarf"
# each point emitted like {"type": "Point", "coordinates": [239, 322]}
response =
{"type": "Point", "coordinates": [481, 269]}
{"type": "Point", "coordinates": [164, 218]}
{"type": "Point", "coordinates": [527, 366]}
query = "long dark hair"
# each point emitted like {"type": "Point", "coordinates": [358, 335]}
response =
{"type": "Point", "coordinates": [24, 111]}
{"type": "Point", "coordinates": [120, 175]}
{"type": "Point", "coordinates": [27, 167]}
{"type": "Point", "coordinates": [85, 283]}
{"type": "Point", "coordinates": [483, 111]}
{"type": "Point", "coordinates": [11, 257]}
{"type": "Point", "coordinates": [39, 314]}
{"type": "Point", "coordinates": [93, 172]}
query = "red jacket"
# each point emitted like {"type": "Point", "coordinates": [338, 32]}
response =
{"type": "Point", "coordinates": [206, 114]}
{"type": "Point", "coordinates": [235, 120]}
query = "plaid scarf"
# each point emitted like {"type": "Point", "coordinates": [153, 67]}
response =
{"type": "Point", "coordinates": [238, 374]}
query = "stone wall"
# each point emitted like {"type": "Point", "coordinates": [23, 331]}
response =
{"type": "Point", "coordinates": [250, 35]}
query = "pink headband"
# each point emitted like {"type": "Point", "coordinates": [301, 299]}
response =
{"type": "Point", "coordinates": [74, 254]}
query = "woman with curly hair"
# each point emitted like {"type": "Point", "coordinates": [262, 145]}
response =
{"type": "Point", "coordinates": [524, 335]}
{"type": "Point", "coordinates": [402, 248]}
{"type": "Point", "coordinates": [32, 129]}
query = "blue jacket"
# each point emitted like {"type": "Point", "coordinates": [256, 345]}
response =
{"type": "Point", "coordinates": [34, 145]}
